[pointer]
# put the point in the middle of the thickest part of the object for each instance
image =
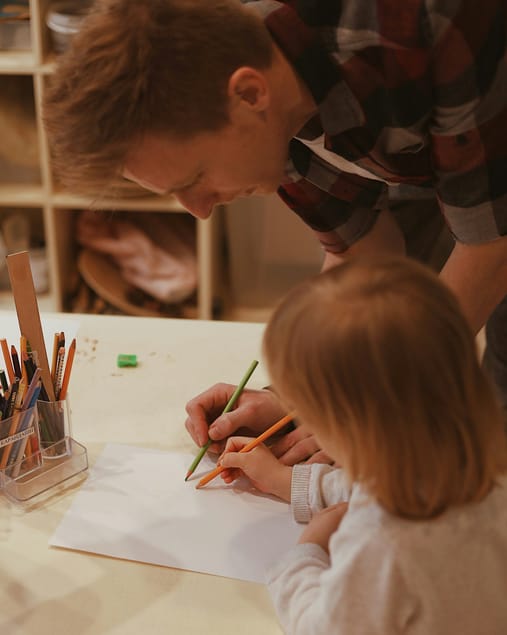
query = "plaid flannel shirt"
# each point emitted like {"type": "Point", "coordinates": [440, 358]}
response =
{"type": "Point", "coordinates": [411, 92]}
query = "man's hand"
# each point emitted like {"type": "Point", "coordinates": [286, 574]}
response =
{"type": "Point", "coordinates": [255, 411]}
{"type": "Point", "coordinates": [297, 446]}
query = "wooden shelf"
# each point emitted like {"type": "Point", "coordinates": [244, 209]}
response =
{"type": "Point", "coordinates": [17, 63]}
{"type": "Point", "coordinates": [21, 195]}
{"type": "Point", "coordinates": [148, 203]}
{"type": "Point", "coordinates": [247, 314]}
{"type": "Point", "coordinates": [48, 65]}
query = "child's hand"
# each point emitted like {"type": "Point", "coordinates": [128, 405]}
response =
{"type": "Point", "coordinates": [323, 525]}
{"type": "Point", "coordinates": [259, 465]}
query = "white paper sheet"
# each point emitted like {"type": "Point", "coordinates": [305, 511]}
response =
{"type": "Point", "coordinates": [136, 505]}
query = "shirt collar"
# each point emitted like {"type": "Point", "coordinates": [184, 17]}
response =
{"type": "Point", "coordinates": [299, 35]}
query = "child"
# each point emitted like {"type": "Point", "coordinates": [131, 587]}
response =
{"type": "Point", "coordinates": [381, 366]}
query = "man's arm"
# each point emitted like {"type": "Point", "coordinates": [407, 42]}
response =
{"type": "Point", "coordinates": [385, 237]}
{"type": "Point", "coordinates": [468, 137]}
{"type": "Point", "coordinates": [477, 274]}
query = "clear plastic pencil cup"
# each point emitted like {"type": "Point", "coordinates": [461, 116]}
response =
{"type": "Point", "coordinates": [19, 445]}
{"type": "Point", "coordinates": [54, 427]}
{"type": "Point", "coordinates": [37, 452]}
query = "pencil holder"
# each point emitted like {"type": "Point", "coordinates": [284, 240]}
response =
{"type": "Point", "coordinates": [42, 453]}
{"type": "Point", "coordinates": [54, 427]}
{"type": "Point", "coordinates": [19, 445]}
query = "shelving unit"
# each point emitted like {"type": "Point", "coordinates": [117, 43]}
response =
{"type": "Point", "coordinates": [223, 290]}
{"type": "Point", "coordinates": [25, 72]}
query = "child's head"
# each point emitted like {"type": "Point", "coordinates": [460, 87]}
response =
{"type": "Point", "coordinates": [381, 365]}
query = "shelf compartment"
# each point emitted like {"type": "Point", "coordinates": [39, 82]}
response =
{"type": "Point", "coordinates": [22, 228]}
{"type": "Point", "coordinates": [19, 151]}
{"type": "Point", "coordinates": [91, 279]}
{"type": "Point", "coordinates": [15, 26]}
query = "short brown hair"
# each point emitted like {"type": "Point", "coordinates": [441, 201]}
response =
{"type": "Point", "coordinates": [145, 66]}
{"type": "Point", "coordinates": [377, 359]}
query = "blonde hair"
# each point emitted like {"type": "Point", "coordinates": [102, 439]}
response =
{"type": "Point", "coordinates": [159, 66]}
{"type": "Point", "coordinates": [379, 361]}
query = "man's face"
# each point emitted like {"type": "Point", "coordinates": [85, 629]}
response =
{"type": "Point", "coordinates": [211, 168]}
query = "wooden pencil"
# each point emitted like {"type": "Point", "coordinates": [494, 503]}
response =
{"type": "Point", "coordinates": [230, 404]}
{"type": "Point", "coordinates": [68, 367]}
{"type": "Point", "coordinates": [7, 358]}
{"type": "Point", "coordinates": [56, 339]}
{"type": "Point", "coordinates": [249, 446]}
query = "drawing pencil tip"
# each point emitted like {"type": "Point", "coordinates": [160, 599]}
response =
{"type": "Point", "coordinates": [189, 474]}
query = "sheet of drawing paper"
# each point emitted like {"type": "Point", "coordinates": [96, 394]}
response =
{"type": "Point", "coordinates": [136, 505]}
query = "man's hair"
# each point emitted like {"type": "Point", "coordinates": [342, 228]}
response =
{"type": "Point", "coordinates": [141, 66]}
{"type": "Point", "coordinates": [378, 360]}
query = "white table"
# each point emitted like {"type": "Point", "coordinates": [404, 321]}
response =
{"type": "Point", "coordinates": [49, 591]}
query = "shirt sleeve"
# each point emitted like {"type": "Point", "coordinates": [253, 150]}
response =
{"type": "Point", "coordinates": [358, 589]}
{"type": "Point", "coordinates": [341, 212]}
{"type": "Point", "coordinates": [468, 128]}
{"type": "Point", "coordinates": [315, 487]}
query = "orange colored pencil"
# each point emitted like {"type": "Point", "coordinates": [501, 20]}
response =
{"type": "Point", "coordinates": [8, 362]}
{"type": "Point", "coordinates": [249, 446]}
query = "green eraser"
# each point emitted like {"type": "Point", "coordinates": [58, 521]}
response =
{"type": "Point", "coordinates": [126, 360]}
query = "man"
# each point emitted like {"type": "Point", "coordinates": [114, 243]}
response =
{"type": "Point", "coordinates": [376, 122]}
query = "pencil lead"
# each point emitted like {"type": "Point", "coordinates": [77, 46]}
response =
{"type": "Point", "coordinates": [189, 474]}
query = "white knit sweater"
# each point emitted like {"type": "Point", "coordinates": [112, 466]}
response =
{"type": "Point", "coordinates": [386, 575]}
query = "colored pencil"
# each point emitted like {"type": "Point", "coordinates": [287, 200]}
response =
{"type": "Point", "coordinates": [7, 359]}
{"type": "Point", "coordinates": [28, 402]}
{"type": "Point", "coordinates": [249, 446]}
{"type": "Point", "coordinates": [234, 397]}
{"type": "Point", "coordinates": [11, 399]}
{"type": "Point", "coordinates": [18, 452]}
{"type": "Point", "coordinates": [15, 362]}
{"type": "Point", "coordinates": [57, 382]}
{"type": "Point", "coordinates": [68, 367]}
{"type": "Point", "coordinates": [21, 358]}
{"type": "Point", "coordinates": [3, 381]}
{"type": "Point", "coordinates": [54, 353]}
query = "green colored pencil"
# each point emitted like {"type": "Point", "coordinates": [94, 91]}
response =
{"type": "Point", "coordinates": [234, 397]}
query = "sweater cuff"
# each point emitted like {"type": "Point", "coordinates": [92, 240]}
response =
{"type": "Point", "coordinates": [299, 494]}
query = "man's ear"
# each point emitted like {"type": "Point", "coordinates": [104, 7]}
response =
{"type": "Point", "coordinates": [249, 87]}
